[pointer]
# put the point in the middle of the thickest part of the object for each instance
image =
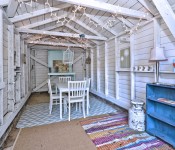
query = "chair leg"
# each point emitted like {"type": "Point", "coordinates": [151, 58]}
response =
{"type": "Point", "coordinates": [69, 110]}
{"type": "Point", "coordinates": [83, 109]}
{"type": "Point", "coordinates": [50, 106]}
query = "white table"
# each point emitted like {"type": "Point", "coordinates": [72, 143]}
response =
{"type": "Point", "coordinates": [63, 88]}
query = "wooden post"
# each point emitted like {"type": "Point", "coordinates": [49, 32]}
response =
{"type": "Point", "coordinates": [116, 68]}
{"type": "Point", "coordinates": [98, 70]}
{"type": "Point", "coordinates": [18, 64]}
{"type": "Point", "coordinates": [132, 65]}
{"type": "Point", "coordinates": [106, 69]}
{"type": "Point", "coordinates": [22, 70]}
{"type": "Point", "coordinates": [11, 97]}
{"type": "Point", "coordinates": [1, 66]}
{"type": "Point", "coordinates": [92, 68]}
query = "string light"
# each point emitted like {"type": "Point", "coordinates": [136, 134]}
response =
{"type": "Point", "coordinates": [109, 23]}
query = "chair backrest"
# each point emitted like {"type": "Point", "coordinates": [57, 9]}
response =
{"type": "Point", "coordinates": [88, 82]}
{"type": "Point", "coordinates": [49, 86]}
{"type": "Point", "coordinates": [76, 89]}
{"type": "Point", "coordinates": [64, 79]}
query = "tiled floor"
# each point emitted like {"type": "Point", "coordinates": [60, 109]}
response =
{"type": "Point", "coordinates": [38, 114]}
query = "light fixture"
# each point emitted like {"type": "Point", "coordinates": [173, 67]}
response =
{"type": "Point", "coordinates": [157, 55]}
{"type": "Point", "coordinates": [68, 56]}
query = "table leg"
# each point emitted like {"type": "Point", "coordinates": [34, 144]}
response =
{"type": "Point", "coordinates": [60, 104]}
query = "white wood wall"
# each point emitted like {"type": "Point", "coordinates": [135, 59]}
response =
{"type": "Point", "coordinates": [13, 97]}
{"type": "Point", "coordinates": [124, 85]}
{"type": "Point", "coordinates": [40, 72]}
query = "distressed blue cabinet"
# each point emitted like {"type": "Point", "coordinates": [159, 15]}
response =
{"type": "Point", "coordinates": [160, 112]}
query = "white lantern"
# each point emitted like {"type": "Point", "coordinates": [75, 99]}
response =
{"type": "Point", "coordinates": [68, 56]}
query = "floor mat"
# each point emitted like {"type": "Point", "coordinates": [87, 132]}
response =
{"type": "Point", "coordinates": [35, 115]}
{"type": "Point", "coordinates": [113, 133]}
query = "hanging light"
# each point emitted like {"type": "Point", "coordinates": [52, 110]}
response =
{"type": "Point", "coordinates": [68, 56]}
{"type": "Point", "coordinates": [88, 60]}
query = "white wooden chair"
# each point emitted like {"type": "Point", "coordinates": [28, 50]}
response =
{"type": "Point", "coordinates": [53, 97]}
{"type": "Point", "coordinates": [76, 94]}
{"type": "Point", "coordinates": [64, 79]}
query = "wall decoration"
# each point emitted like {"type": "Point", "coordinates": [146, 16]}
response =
{"type": "Point", "coordinates": [59, 66]}
{"type": "Point", "coordinates": [125, 58]}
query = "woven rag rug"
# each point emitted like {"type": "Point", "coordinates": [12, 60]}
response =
{"type": "Point", "coordinates": [113, 133]}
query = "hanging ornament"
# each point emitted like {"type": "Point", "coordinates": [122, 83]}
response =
{"type": "Point", "coordinates": [68, 56]}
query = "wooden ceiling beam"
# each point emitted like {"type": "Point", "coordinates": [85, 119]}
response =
{"type": "Point", "coordinates": [57, 44]}
{"type": "Point", "coordinates": [40, 23]}
{"type": "Point", "coordinates": [167, 14]}
{"type": "Point", "coordinates": [38, 13]}
{"type": "Point", "coordinates": [108, 8]}
{"type": "Point", "coordinates": [101, 24]}
{"type": "Point", "coordinates": [148, 6]}
{"type": "Point", "coordinates": [60, 34]}
{"type": "Point", "coordinates": [11, 8]}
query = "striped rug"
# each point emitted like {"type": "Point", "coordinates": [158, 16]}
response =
{"type": "Point", "coordinates": [112, 133]}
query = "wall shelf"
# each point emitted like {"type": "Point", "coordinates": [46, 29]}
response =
{"type": "Point", "coordinates": [160, 118]}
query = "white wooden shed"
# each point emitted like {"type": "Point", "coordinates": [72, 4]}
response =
{"type": "Point", "coordinates": [112, 41]}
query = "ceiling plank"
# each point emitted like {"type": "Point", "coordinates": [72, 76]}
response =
{"type": "Point", "coordinates": [59, 34]}
{"type": "Point", "coordinates": [167, 14]}
{"type": "Point", "coordinates": [4, 3]}
{"type": "Point", "coordinates": [108, 8]}
{"type": "Point", "coordinates": [40, 23]}
{"type": "Point", "coordinates": [57, 44]}
{"type": "Point", "coordinates": [12, 7]}
{"type": "Point", "coordinates": [38, 13]}
{"type": "Point", "coordinates": [148, 6]}
{"type": "Point", "coordinates": [84, 25]}
{"type": "Point", "coordinates": [101, 24]}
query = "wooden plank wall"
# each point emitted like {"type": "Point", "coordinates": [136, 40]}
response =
{"type": "Point", "coordinates": [5, 67]}
{"type": "Point", "coordinates": [111, 68]}
{"type": "Point", "coordinates": [40, 72]}
{"type": "Point", "coordinates": [168, 43]}
{"type": "Point", "coordinates": [94, 69]}
{"type": "Point", "coordinates": [78, 66]}
{"type": "Point", "coordinates": [12, 97]}
{"type": "Point", "coordinates": [102, 67]}
{"type": "Point", "coordinates": [143, 42]}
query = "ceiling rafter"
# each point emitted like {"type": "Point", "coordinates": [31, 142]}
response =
{"type": "Point", "coordinates": [126, 22]}
{"type": "Point", "coordinates": [11, 8]}
{"type": "Point", "coordinates": [148, 6]}
{"type": "Point", "coordinates": [101, 24]}
{"type": "Point", "coordinates": [84, 25]}
{"type": "Point", "coordinates": [60, 34]}
{"type": "Point", "coordinates": [40, 23]}
{"type": "Point", "coordinates": [57, 44]}
{"type": "Point", "coordinates": [37, 13]}
{"type": "Point", "coordinates": [108, 8]}
{"type": "Point", "coordinates": [167, 14]}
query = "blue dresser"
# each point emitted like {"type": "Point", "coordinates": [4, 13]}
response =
{"type": "Point", "coordinates": [160, 112]}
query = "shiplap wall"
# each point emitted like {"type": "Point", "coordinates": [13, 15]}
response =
{"type": "Point", "coordinates": [143, 42]}
{"type": "Point", "coordinates": [111, 68]}
{"type": "Point", "coordinates": [102, 67]}
{"type": "Point", "coordinates": [40, 72]}
{"type": "Point", "coordinates": [5, 67]}
{"type": "Point", "coordinates": [124, 76]}
{"type": "Point", "coordinates": [94, 69]}
{"type": "Point", "coordinates": [78, 66]}
{"type": "Point", "coordinates": [168, 43]}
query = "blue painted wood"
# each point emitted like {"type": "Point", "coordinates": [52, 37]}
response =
{"type": "Point", "coordinates": [160, 116]}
